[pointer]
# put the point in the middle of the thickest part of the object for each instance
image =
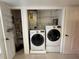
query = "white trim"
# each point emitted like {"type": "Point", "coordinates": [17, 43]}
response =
{"type": "Point", "coordinates": [38, 7]}
{"type": "Point", "coordinates": [25, 30]}
{"type": "Point", "coordinates": [62, 38]}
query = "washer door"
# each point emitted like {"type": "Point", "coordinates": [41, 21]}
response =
{"type": "Point", "coordinates": [53, 35]}
{"type": "Point", "coordinates": [37, 39]}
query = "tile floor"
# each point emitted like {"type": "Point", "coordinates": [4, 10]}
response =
{"type": "Point", "coordinates": [20, 55]}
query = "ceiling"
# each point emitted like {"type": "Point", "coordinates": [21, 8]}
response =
{"type": "Point", "coordinates": [43, 2]}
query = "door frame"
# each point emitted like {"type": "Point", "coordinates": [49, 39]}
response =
{"type": "Point", "coordinates": [24, 14]}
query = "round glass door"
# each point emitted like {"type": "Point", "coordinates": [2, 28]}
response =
{"type": "Point", "coordinates": [53, 35]}
{"type": "Point", "coordinates": [37, 40]}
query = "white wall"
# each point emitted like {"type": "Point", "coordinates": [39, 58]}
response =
{"type": "Point", "coordinates": [1, 42]}
{"type": "Point", "coordinates": [2, 45]}
{"type": "Point", "coordinates": [39, 3]}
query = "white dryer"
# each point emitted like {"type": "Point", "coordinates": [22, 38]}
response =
{"type": "Point", "coordinates": [37, 41]}
{"type": "Point", "coordinates": [53, 38]}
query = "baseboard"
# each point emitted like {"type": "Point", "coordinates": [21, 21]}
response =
{"type": "Point", "coordinates": [71, 52]}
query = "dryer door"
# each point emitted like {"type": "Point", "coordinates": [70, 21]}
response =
{"type": "Point", "coordinates": [53, 35]}
{"type": "Point", "coordinates": [37, 39]}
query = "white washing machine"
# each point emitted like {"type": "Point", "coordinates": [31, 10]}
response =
{"type": "Point", "coordinates": [37, 41]}
{"type": "Point", "coordinates": [53, 38]}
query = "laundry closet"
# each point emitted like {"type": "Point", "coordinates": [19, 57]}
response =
{"type": "Point", "coordinates": [45, 29]}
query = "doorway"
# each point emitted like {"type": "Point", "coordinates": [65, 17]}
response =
{"type": "Point", "coordinates": [16, 19]}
